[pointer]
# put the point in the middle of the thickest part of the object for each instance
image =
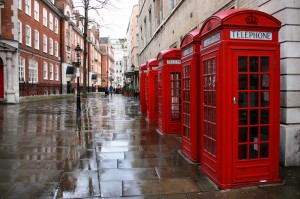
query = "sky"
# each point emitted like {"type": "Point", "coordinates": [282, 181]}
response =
{"type": "Point", "coordinates": [114, 19]}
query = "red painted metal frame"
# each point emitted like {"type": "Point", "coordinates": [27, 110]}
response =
{"type": "Point", "coordinates": [169, 65]}
{"type": "Point", "coordinates": [190, 47]}
{"type": "Point", "coordinates": [152, 79]}
{"type": "Point", "coordinates": [143, 74]}
{"type": "Point", "coordinates": [229, 156]}
{"type": "Point", "coordinates": [1, 79]}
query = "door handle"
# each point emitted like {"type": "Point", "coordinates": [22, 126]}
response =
{"type": "Point", "coordinates": [234, 100]}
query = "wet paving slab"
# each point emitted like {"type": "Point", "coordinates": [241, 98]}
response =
{"type": "Point", "coordinates": [108, 150]}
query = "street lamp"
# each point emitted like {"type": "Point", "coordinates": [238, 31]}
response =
{"type": "Point", "coordinates": [78, 50]}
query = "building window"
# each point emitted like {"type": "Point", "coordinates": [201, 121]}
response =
{"type": "Point", "coordinates": [20, 4]}
{"type": "Point", "coordinates": [28, 7]}
{"type": "Point", "coordinates": [45, 18]}
{"type": "Point", "coordinates": [21, 69]}
{"type": "Point", "coordinates": [56, 48]}
{"type": "Point", "coordinates": [36, 39]}
{"type": "Point", "coordinates": [51, 71]}
{"type": "Point", "coordinates": [33, 71]}
{"type": "Point", "coordinates": [36, 11]}
{"type": "Point", "coordinates": [20, 31]}
{"type": "Point", "coordinates": [56, 25]}
{"type": "Point", "coordinates": [45, 43]}
{"type": "Point", "coordinates": [51, 46]}
{"type": "Point", "coordinates": [28, 35]}
{"type": "Point", "coordinates": [51, 21]}
{"type": "Point", "coordinates": [56, 72]}
{"type": "Point", "coordinates": [45, 70]}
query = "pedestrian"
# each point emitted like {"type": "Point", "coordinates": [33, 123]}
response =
{"type": "Point", "coordinates": [111, 89]}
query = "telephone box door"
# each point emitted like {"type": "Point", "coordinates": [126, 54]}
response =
{"type": "Point", "coordinates": [253, 115]}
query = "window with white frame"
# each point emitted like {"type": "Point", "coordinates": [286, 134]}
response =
{"type": "Point", "coordinates": [45, 45]}
{"type": "Point", "coordinates": [36, 11]}
{"type": "Point", "coordinates": [21, 69]}
{"type": "Point", "coordinates": [36, 39]}
{"type": "Point", "coordinates": [20, 31]}
{"type": "Point", "coordinates": [56, 72]}
{"type": "Point", "coordinates": [28, 35]}
{"type": "Point", "coordinates": [56, 25]}
{"type": "Point", "coordinates": [20, 4]}
{"type": "Point", "coordinates": [45, 17]}
{"type": "Point", "coordinates": [51, 72]}
{"type": "Point", "coordinates": [45, 70]}
{"type": "Point", "coordinates": [51, 46]}
{"type": "Point", "coordinates": [56, 48]}
{"type": "Point", "coordinates": [51, 21]}
{"type": "Point", "coordinates": [33, 71]}
{"type": "Point", "coordinates": [28, 7]}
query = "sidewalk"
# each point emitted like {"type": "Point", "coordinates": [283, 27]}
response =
{"type": "Point", "coordinates": [107, 151]}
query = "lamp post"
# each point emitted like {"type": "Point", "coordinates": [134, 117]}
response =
{"type": "Point", "coordinates": [78, 50]}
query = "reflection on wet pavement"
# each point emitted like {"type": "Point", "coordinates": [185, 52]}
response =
{"type": "Point", "coordinates": [47, 150]}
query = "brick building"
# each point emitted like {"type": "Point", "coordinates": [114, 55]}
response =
{"type": "Point", "coordinates": [163, 24]}
{"type": "Point", "coordinates": [108, 62]}
{"type": "Point", "coordinates": [37, 49]}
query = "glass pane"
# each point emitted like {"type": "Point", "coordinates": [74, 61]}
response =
{"type": "Point", "coordinates": [264, 64]}
{"type": "Point", "coordinates": [204, 67]}
{"type": "Point", "coordinates": [209, 67]}
{"type": "Point", "coordinates": [205, 143]}
{"type": "Point", "coordinates": [254, 134]}
{"type": "Point", "coordinates": [205, 128]}
{"type": "Point", "coordinates": [205, 97]}
{"type": "Point", "coordinates": [254, 82]}
{"type": "Point", "coordinates": [253, 64]}
{"type": "Point", "coordinates": [213, 151]}
{"type": "Point", "coordinates": [243, 135]}
{"type": "Point", "coordinates": [264, 99]}
{"type": "Point", "coordinates": [213, 63]}
{"type": "Point", "coordinates": [254, 117]}
{"type": "Point", "coordinates": [208, 129]}
{"type": "Point", "coordinates": [264, 150]}
{"type": "Point", "coordinates": [265, 80]}
{"type": "Point", "coordinates": [242, 64]}
{"type": "Point", "coordinates": [243, 82]}
{"type": "Point", "coordinates": [213, 98]}
{"type": "Point", "coordinates": [253, 151]}
{"type": "Point", "coordinates": [213, 131]}
{"type": "Point", "coordinates": [243, 99]}
{"type": "Point", "coordinates": [213, 82]}
{"type": "Point", "coordinates": [209, 98]}
{"type": "Point", "coordinates": [242, 154]}
{"type": "Point", "coordinates": [264, 116]}
{"type": "Point", "coordinates": [253, 99]}
{"type": "Point", "coordinates": [264, 133]}
{"type": "Point", "coordinates": [243, 117]}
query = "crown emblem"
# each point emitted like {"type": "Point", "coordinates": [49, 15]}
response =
{"type": "Point", "coordinates": [209, 26]}
{"type": "Point", "coordinates": [251, 20]}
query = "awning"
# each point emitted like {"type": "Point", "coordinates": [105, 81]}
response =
{"type": "Point", "coordinates": [70, 70]}
{"type": "Point", "coordinates": [94, 76]}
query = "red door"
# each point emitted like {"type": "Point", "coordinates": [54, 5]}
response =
{"type": "Point", "coordinates": [209, 115]}
{"type": "Point", "coordinates": [1, 80]}
{"type": "Point", "coordinates": [253, 116]}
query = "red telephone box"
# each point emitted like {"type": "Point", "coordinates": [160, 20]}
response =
{"type": "Point", "coordinates": [190, 47]}
{"type": "Point", "coordinates": [152, 90]}
{"type": "Point", "coordinates": [240, 94]}
{"type": "Point", "coordinates": [143, 73]}
{"type": "Point", "coordinates": [169, 97]}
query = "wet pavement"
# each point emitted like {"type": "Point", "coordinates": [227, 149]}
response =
{"type": "Point", "coordinates": [109, 150]}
